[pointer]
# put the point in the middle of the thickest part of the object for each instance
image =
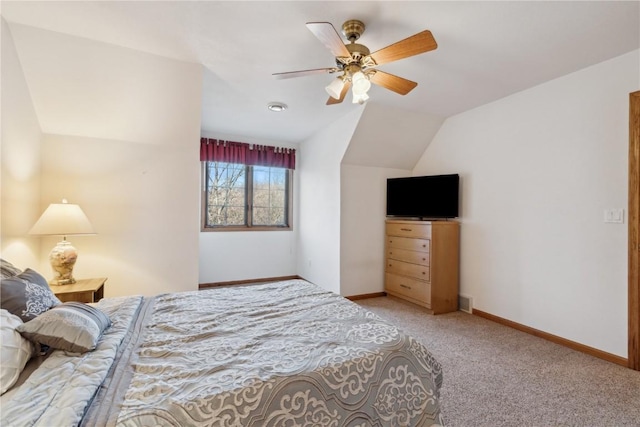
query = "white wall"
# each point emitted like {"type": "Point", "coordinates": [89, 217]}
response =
{"type": "Point", "coordinates": [387, 143]}
{"type": "Point", "coordinates": [362, 215]}
{"type": "Point", "coordinates": [244, 255]}
{"type": "Point", "coordinates": [20, 156]}
{"type": "Point", "coordinates": [142, 200]}
{"type": "Point", "coordinates": [319, 218]}
{"type": "Point", "coordinates": [538, 169]}
{"type": "Point", "coordinates": [129, 157]}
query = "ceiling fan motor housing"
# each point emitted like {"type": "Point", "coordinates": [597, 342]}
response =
{"type": "Point", "coordinates": [357, 51]}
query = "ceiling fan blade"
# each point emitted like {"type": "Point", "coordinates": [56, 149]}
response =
{"type": "Point", "coordinates": [327, 34]}
{"type": "Point", "coordinates": [345, 89]}
{"type": "Point", "coordinates": [290, 74]}
{"type": "Point", "coordinates": [414, 45]}
{"type": "Point", "coordinates": [394, 83]}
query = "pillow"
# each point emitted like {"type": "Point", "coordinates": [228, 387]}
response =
{"type": "Point", "coordinates": [26, 295]}
{"type": "Point", "coordinates": [70, 326]}
{"type": "Point", "coordinates": [15, 351]}
{"type": "Point", "coordinates": [8, 270]}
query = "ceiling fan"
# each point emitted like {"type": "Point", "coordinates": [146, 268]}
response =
{"type": "Point", "coordinates": [357, 64]}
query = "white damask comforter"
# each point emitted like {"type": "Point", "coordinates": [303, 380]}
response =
{"type": "Point", "coordinates": [281, 354]}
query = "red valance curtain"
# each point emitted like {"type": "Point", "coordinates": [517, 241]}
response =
{"type": "Point", "coordinates": [215, 150]}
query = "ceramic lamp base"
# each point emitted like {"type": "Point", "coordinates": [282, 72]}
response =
{"type": "Point", "coordinates": [63, 257]}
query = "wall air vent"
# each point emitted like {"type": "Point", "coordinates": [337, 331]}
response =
{"type": "Point", "coordinates": [465, 303]}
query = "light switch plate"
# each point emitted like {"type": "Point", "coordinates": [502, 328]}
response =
{"type": "Point", "coordinates": [614, 216]}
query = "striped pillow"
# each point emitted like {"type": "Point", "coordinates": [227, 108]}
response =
{"type": "Point", "coordinates": [15, 350]}
{"type": "Point", "coordinates": [70, 326]}
{"type": "Point", "coordinates": [8, 270]}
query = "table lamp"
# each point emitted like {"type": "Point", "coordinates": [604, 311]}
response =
{"type": "Point", "coordinates": [62, 219]}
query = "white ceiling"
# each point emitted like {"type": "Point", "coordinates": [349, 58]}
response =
{"type": "Point", "coordinates": [486, 50]}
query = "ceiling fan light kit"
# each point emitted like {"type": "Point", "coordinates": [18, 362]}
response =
{"type": "Point", "coordinates": [357, 64]}
{"type": "Point", "coordinates": [335, 88]}
{"type": "Point", "coordinates": [360, 99]}
{"type": "Point", "coordinates": [361, 83]}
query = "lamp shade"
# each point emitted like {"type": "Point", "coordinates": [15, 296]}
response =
{"type": "Point", "coordinates": [62, 219]}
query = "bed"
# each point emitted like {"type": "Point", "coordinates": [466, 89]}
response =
{"type": "Point", "coordinates": [280, 354]}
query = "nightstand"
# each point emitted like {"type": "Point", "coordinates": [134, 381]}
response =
{"type": "Point", "coordinates": [85, 290]}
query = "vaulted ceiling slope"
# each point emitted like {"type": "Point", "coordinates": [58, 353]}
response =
{"type": "Point", "coordinates": [390, 137]}
{"type": "Point", "coordinates": [82, 87]}
{"type": "Point", "coordinates": [486, 51]}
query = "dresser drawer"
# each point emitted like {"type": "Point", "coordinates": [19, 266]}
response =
{"type": "Point", "coordinates": [421, 245]}
{"type": "Point", "coordinates": [412, 257]}
{"type": "Point", "coordinates": [407, 229]}
{"type": "Point", "coordinates": [405, 269]}
{"type": "Point", "coordinates": [416, 289]}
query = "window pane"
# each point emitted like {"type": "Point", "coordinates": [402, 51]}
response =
{"type": "Point", "coordinates": [269, 196]}
{"type": "Point", "coordinates": [226, 198]}
{"type": "Point", "coordinates": [227, 192]}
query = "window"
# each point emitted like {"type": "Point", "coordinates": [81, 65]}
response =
{"type": "Point", "coordinates": [246, 187]}
{"type": "Point", "coordinates": [242, 197]}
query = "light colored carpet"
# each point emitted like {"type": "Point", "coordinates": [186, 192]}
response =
{"type": "Point", "coordinates": [497, 376]}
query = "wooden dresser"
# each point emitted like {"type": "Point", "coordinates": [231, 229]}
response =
{"type": "Point", "coordinates": [422, 263]}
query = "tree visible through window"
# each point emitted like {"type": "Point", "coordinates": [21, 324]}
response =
{"type": "Point", "coordinates": [225, 194]}
{"type": "Point", "coordinates": [238, 196]}
{"type": "Point", "coordinates": [269, 196]}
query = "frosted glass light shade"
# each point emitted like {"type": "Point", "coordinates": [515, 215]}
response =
{"type": "Point", "coordinates": [360, 99]}
{"type": "Point", "coordinates": [62, 219]}
{"type": "Point", "coordinates": [361, 83]}
{"type": "Point", "coordinates": [335, 88]}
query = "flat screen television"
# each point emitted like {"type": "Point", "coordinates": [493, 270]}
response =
{"type": "Point", "coordinates": [434, 196]}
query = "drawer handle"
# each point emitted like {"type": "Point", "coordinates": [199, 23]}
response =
{"type": "Point", "coordinates": [424, 245]}
{"type": "Point", "coordinates": [424, 259]}
{"type": "Point", "coordinates": [424, 272]}
{"type": "Point", "coordinates": [406, 229]}
{"type": "Point", "coordinates": [405, 286]}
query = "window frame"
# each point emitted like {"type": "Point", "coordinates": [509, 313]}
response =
{"type": "Point", "coordinates": [248, 206]}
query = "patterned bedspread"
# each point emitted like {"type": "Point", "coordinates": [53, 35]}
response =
{"type": "Point", "coordinates": [281, 354]}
